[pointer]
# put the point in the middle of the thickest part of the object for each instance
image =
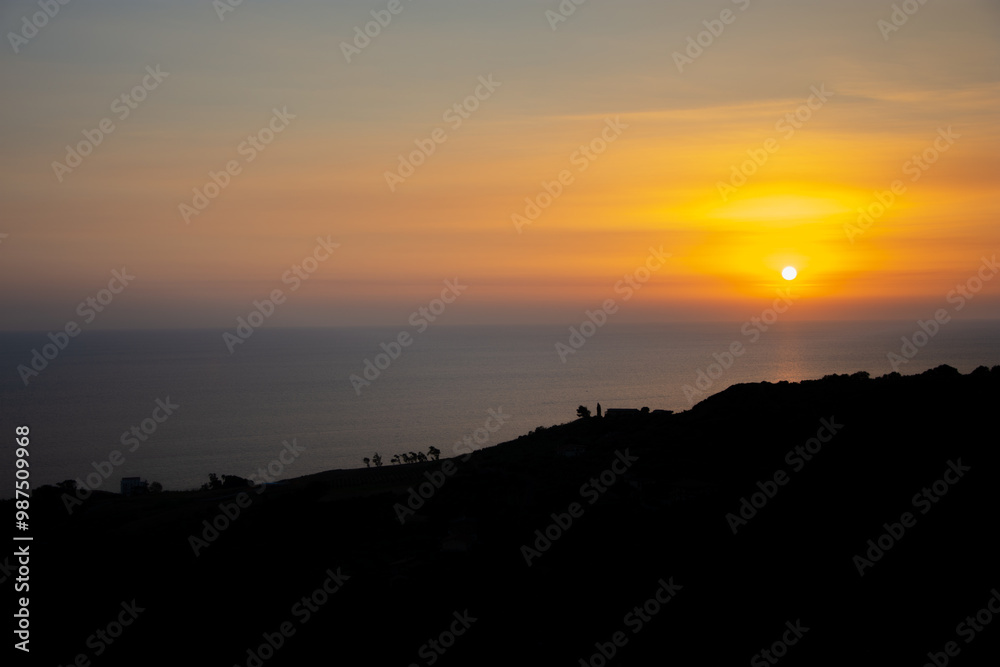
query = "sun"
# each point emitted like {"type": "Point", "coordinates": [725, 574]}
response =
{"type": "Point", "coordinates": [789, 273]}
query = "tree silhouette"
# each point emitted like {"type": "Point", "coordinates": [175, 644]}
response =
{"type": "Point", "coordinates": [434, 453]}
{"type": "Point", "coordinates": [213, 482]}
{"type": "Point", "coordinates": [368, 462]}
{"type": "Point", "coordinates": [235, 482]}
{"type": "Point", "coordinates": [583, 412]}
{"type": "Point", "coordinates": [377, 460]}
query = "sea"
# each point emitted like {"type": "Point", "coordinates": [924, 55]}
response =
{"type": "Point", "coordinates": [174, 406]}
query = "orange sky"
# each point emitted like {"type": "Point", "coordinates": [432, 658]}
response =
{"type": "Point", "coordinates": [657, 183]}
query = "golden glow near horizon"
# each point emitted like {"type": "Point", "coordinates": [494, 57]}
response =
{"type": "Point", "coordinates": [865, 158]}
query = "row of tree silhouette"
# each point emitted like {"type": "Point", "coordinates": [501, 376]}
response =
{"type": "Point", "coordinates": [433, 454]}
{"type": "Point", "coordinates": [226, 482]}
{"type": "Point", "coordinates": [583, 411]}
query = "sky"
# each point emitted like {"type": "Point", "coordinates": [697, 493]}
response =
{"type": "Point", "coordinates": [537, 153]}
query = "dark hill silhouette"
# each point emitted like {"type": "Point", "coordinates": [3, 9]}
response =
{"type": "Point", "coordinates": [662, 515]}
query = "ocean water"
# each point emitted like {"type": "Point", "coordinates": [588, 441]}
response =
{"type": "Point", "coordinates": [236, 410]}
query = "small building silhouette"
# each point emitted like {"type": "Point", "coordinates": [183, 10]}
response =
{"type": "Point", "coordinates": [620, 412]}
